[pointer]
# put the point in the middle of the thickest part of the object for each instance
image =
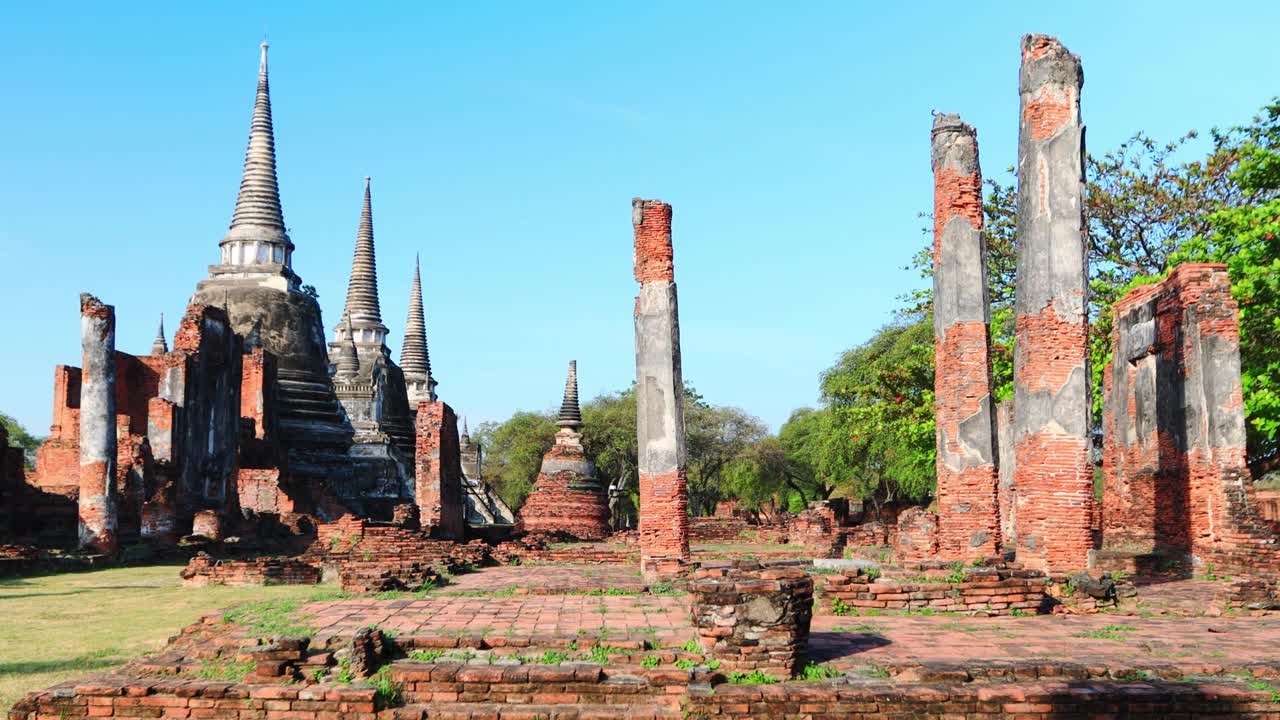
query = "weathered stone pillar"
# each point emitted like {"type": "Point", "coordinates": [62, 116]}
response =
{"type": "Point", "coordinates": [97, 502]}
{"type": "Point", "coordinates": [968, 506]}
{"type": "Point", "coordinates": [664, 496]}
{"type": "Point", "coordinates": [438, 472]}
{"type": "Point", "coordinates": [1052, 448]}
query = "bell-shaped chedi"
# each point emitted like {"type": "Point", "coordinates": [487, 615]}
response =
{"type": "Point", "coordinates": [567, 497]}
{"type": "Point", "coordinates": [255, 283]}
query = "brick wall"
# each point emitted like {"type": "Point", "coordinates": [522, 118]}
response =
{"type": "Point", "coordinates": [993, 592]}
{"type": "Point", "coordinates": [438, 480]}
{"type": "Point", "coordinates": [1174, 435]}
{"type": "Point", "coordinates": [203, 570]}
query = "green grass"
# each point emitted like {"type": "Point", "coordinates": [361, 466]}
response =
{"type": "Point", "coordinates": [813, 671]}
{"type": "Point", "coordinates": [1107, 632]}
{"type": "Point", "coordinates": [224, 670]}
{"type": "Point", "coordinates": [426, 655]}
{"type": "Point", "coordinates": [755, 677]}
{"type": "Point", "coordinates": [66, 626]}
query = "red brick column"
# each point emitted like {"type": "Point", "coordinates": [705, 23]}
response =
{"type": "Point", "coordinates": [664, 495]}
{"type": "Point", "coordinates": [1174, 443]}
{"type": "Point", "coordinates": [968, 507]}
{"type": "Point", "coordinates": [438, 472]}
{"type": "Point", "coordinates": [1053, 474]}
{"type": "Point", "coordinates": [97, 500]}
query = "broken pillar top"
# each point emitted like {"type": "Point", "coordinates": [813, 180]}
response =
{"type": "Point", "coordinates": [1046, 61]}
{"type": "Point", "coordinates": [955, 144]}
{"type": "Point", "coordinates": [653, 253]}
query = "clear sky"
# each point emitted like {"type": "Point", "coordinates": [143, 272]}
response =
{"type": "Point", "coordinates": [506, 140]}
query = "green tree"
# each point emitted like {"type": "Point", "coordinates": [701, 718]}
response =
{"type": "Point", "coordinates": [513, 453]}
{"type": "Point", "coordinates": [1244, 236]}
{"type": "Point", "coordinates": [880, 396]}
{"type": "Point", "coordinates": [20, 438]}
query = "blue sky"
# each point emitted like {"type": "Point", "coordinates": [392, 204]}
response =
{"type": "Point", "coordinates": [505, 141]}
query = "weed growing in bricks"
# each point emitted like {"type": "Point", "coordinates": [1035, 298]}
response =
{"type": "Point", "coordinates": [649, 661]}
{"type": "Point", "coordinates": [269, 617]}
{"type": "Point", "coordinates": [225, 670]}
{"type": "Point", "coordinates": [691, 646]}
{"type": "Point", "coordinates": [386, 692]}
{"type": "Point", "coordinates": [755, 677]}
{"type": "Point", "coordinates": [426, 655]}
{"type": "Point", "coordinates": [553, 657]}
{"type": "Point", "coordinates": [1261, 685]}
{"type": "Point", "coordinates": [812, 671]}
{"type": "Point", "coordinates": [840, 607]}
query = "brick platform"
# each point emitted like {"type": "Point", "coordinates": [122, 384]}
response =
{"type": "Point", "coordinates": [753, 618]}
{"type": "Point", "coordinates": [996, 592]}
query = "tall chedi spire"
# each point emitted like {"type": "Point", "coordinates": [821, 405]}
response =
{"type": "Point", "coordinates": [415, 360]}
{"type": "Point", "coordinates": [570, 414]}
{"type": "Point", "coordinates": [257, 235]}
{"type": "Point", "coordinates": [362, 307]}
{"type": "Point", "coordinates": [159, 346]}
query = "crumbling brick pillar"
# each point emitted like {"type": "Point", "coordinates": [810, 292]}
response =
{"type": "Point", "coordinates": [1052, 448]}
{"type": "Point", "coordinates": [664, 496]}
{"type": "Point", "coordinates": [438, 472]}
{"type": "Point", "coordinates": [97, 501]}
{"type": "Point", "coordinates": [1174, 427]}
{"type": "Point", "coordinates": [753, 618]}
{"type": "Point", "coordinates": [968, 505]}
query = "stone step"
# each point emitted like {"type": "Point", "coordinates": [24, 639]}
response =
{"type": "Point", "coordinates": [559, 711]}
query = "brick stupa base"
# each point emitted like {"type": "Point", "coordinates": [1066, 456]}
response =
{"type": "Point", "coordinates": [567, 498]}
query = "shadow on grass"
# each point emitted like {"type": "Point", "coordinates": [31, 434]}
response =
{"type": "Point", "coordinates": [41, 595]}
{"type": "Point", "coordinates": [91, 661]}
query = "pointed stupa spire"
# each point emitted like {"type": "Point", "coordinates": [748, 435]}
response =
{"type": "Point", "coordinates": [257, 216]}
{"type": "Point", "coordinates": [466, 435]}
{"type": "Point", "coordinates": [414, 357]}
{"type": "Point", "coordinates": [160, 346]}
{"type": "Point", "coordinates": [570, 415]}
{"type": "Point", "coordinates": [362, 291]}
{"type": "Point", "coordinates": [348, 364]}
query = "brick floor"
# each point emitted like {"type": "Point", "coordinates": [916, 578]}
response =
{"type": "Point", "coordinates": [847, 642]}
{"type": "Point", "coordinates": [548, 579]}
{"type": "Point", "coordinates": [664, 620]}
{"type": "Point", "coordinates": [853, 641]}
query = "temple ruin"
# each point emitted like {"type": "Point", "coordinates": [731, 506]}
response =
{"type": "Point", "coordinates": [250, 421]}
{"type": "Point", "coordinates": [264, 453]}
{"type": "Point", "coordinates": [567, 498]}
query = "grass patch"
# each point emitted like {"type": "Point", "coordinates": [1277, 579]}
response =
{"type": "Point", "coordinates": [1262, 685]}
{"type": "Point", "coordinates": [426, 655]}
{"type": "Point", "coordinates": [1107, 632]}
{"type": "Point", "coordinates": [755, 677]}
{"type": "Point", "coordinates": [386, 692]}
{"type": "Point", "coordinates": [269, 617]}
{"type": "Point", "coordinates": [224, 670]}
{"type": "Point", "coordinates": [77, 623]}
{"type": "Point", "coordinates": [812, 671]}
